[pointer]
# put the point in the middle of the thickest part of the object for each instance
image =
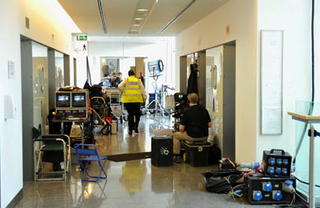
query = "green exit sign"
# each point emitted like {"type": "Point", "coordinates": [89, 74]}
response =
{"type": "Point", "coordinates": [82, 37]}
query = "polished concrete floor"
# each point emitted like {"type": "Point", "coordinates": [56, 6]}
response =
{"type": "Point", "coordinates": [134, 183]}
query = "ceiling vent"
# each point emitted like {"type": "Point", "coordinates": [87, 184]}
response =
{"type": "Point", "coordinates": [27, 23]}
{"type": "Point", "coordinates": [176, 17]}
{"type": "Point", "coordinates": [102, 16]}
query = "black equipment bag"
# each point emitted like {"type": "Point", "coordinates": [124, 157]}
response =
{"type": "Point", "coordinates": [214, 154]}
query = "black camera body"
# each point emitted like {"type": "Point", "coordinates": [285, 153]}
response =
{"type": "Point", "coordinates": [181, 105]}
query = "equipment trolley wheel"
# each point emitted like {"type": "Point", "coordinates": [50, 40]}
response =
{"type": "Point", "coordinates": [105, 130]}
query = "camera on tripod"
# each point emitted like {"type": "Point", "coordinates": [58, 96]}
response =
{"type": "Point", "coordinates": [181, 105]}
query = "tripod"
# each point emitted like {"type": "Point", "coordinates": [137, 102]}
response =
{"type": "Point", "coordinates": [156, 102]}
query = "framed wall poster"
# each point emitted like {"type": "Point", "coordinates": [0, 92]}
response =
{"type": "Point", "coordinates": [271, 71]}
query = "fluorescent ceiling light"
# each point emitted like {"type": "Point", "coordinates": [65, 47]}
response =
{"type": "Point", "coordinates": [133, 32]}
{"type": "Point", "coordinates": [138, 18]}
{"type": "Point", "coordinates": [135, 25]}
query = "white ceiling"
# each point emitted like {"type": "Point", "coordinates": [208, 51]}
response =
{"type": "Point", "coordinates": [119, 15]}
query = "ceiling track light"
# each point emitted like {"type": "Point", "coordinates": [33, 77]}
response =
{"type": "Point", "coordinates": [102, 16]}
{"type": "Point", "coordinates": [176, 17]}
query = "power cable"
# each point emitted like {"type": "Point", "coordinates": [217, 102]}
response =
{"type": "Point", "coordinates": [312, 81]}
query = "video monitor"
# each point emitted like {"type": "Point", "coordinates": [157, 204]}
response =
{"type": "Point", "coordinates": [79, 99]}
{"type": "Point", "coordinates": [62, 99]}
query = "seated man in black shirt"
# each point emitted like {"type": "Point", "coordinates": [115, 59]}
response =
{"type": "Point", "coordinates": [194, 125]}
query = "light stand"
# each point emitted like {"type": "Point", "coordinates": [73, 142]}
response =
{"type": "Point", "coordinates": [157, 104]}
{"type": "Point", "coordinates": [155, 69]}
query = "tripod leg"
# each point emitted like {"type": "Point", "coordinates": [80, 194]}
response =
{"type": "Point", "coordinates": [148, 107]}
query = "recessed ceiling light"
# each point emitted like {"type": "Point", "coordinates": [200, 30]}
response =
{"type": "Point", "coordinates": [138, 18]}
{"type": "Point", "coordinates": [142, 10]}
{"type": "Point", "coordinates": [133, 31]}
{"type": "Point", "coordinates": [135, 25]}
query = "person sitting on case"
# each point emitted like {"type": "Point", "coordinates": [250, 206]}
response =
{"type": "Point", "coordinates": [194, 125]}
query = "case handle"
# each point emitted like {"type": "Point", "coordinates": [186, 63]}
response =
{"type": "Point", "coordinates": [278, 150]}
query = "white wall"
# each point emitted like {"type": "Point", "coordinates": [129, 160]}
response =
{"type": "Point", "coordinates": [293, 17]}
{"type": "Point", "coordinates": [246, 19]}
{"type": "Point", "coordinates": [210, 32]}
{"type": "Point", "coordinates": [10, 130]}
{"type": "Point", "coordinates": [45, 20]}
{"type": "Point", "coordinates": [81, 56]}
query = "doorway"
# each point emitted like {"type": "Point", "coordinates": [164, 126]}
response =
{"type": "Point", "coordinates": [221, 93]}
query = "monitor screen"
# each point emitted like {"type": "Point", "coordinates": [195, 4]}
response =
{"type": "Point", "coordinates": [63, 100]}
{"type": "Point", "coordinates": [79, 99]}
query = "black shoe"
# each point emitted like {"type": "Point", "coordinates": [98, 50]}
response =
{"type": "Point", "coordinates": [135, 129]}
{"type": "Point", "coordinates": [177, 159]}
{"type": "Point", "coordinates": [130, 132]}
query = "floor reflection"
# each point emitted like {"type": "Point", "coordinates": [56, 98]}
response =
{"type": "Point", "coordinates": [133, 176]}
{"type": "Point", "coordinates": [134, 183]}
{"type": "Point", "coordinates": [92, 194]}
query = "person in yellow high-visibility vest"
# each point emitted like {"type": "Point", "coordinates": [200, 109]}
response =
{"type": "Point", "coordinates": [133, 95]}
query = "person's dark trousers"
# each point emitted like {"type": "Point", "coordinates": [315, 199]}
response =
{"type": "Point", "coordinates": [134, 114]}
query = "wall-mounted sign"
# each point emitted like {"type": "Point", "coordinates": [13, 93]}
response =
{"type": "Point", "coordinates": [82, 37]}
{"type": "Point", "coordinates": [11, 69]}
{"type": "Point", "coordinates": [271, 67]}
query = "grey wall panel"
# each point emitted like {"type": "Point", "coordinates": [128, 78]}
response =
{"type": "Point", "coordinates": [66, 61]}
{"type": "Point", "coordinates": [74, 72]}
{"type": "Point", "coordinates": [229, 87]}
{"type": "Point", "coordinates": [183, 74]}
{"type": "Point", "coordinates": [27, 109]}
{"type": "Point", "coordinates": [52, 79]}
{"type": "Point", "coordinates": [202, 76]}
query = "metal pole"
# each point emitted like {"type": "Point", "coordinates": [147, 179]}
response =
{"type": "Point", "coordinates": [311, 170]}
{"type": "Point", "coordinates": [82, 131]}
{"type": "Point", "coordinates": [156, 103]}
{"type": "Point", "coordinates": [62, 127]}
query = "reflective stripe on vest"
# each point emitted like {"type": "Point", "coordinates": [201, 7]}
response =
{"type": "Point", "coordinates": [132, 92]}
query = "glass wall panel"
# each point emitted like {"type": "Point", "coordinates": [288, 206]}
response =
{"type": "Point", "coordinates": [214, 85]}
{"type": "Point", "coordinates": [59, 69]}
{"type": "Point", "coordinates": [40, 85]}
{"type": "Point", "coordinates": [302, 142]}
